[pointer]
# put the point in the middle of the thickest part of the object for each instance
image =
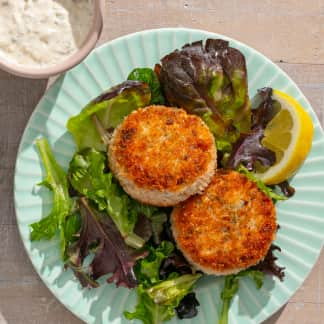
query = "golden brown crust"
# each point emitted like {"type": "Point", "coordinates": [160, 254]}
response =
{"type": "Point", "coordinates": [163, 148]}
{"type": "Point", "coordinates": [159, 149]}
{"type": "Point", "coordinates": [228, 228]}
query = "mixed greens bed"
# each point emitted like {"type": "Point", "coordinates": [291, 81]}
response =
{"type": "Point", "coordinates": [104, 231]}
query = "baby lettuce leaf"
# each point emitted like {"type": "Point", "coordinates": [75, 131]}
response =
{"type": "Point", "coordinates": [149, 312]}
{"type": "Point", "coordinates": [157, 303]}
{"type": "Point", "coordinates": [56, 181]}
{"type": "Point", "coordinates": [209, 79]}
{"type": "Point", "coordinates": [157, 222]}
{"type": "Point", "coordinates": [149, 77]}
{"type": "Point", "coordinates": [71, 228]}
{"type": "Point", "coordinates": [248, 150]}
{"type": "Point", "coordinates": [148, 270]}
{"type": "Point", "coordinates": [147, 210]}
{"type": "Point", "coordinates": [143, 227]}
{"type": "Point", "coordinates": [88, 176]}
{"type": "Point", "coordinates": [231, 287]}
{"type": "Point", "coordinates": [109, 108]}
{"type": "Point", "coordinates": [175, 262]}
{"type": "Point", "coordinates": [157, 218]}
{"type": "Point", "coordinates": [171, 291]}
{"type": "Point", "coordinates": [99, 234]}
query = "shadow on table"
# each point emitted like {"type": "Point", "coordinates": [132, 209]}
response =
{"type": "Point", "coordinates": [21, 94]}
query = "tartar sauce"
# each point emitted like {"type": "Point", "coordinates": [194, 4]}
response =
{"type": "Point", "coordinates": [38, 33]}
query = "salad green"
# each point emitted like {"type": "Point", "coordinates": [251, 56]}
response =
{"type": "Point", "coordinates": [109, 109]}
{"type": "Point", "coordinates": [88, 177]}
{"type": "Point", "coordinates": [209, 79]}
{"type": "Point", "coordinates": [149, 77]}
{"type": "Point", "coordinates": [157, 303]}
{"type": "Point", "coordinates": [56, 220]}
{"type": "Point", "coordinates": [231, 287]}
{"type": "Point", "coordinates": [148, 270]}
{"type": "Point", "coordinates": [248, 149]}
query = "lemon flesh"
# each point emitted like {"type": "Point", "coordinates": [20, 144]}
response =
{"type": "Point", "coordinates": [289, 135]}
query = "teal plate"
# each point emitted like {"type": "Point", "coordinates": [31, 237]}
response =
{"type": "Point", "coordinates": [301, 218]}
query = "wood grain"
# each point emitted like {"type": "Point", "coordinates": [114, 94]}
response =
{"type": "Point", "coordinates": [290, 32]}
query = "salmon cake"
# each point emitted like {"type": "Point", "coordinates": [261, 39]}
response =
{"type": "Point", "coordinates": [228, 228]}
{"type": "Point", "coordinates": [162, 155]}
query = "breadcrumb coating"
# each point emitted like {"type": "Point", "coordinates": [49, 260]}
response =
{"type": "Point", "coordinates": [164, 150]}
{"type": "Point", "coordinates": [228, 228]}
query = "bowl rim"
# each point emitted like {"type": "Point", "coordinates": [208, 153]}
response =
{"type": "Point", "coordinates": [88, 44]}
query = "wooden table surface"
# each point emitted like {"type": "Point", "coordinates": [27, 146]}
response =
{"type": "Point", "coordinates": [290, 32]}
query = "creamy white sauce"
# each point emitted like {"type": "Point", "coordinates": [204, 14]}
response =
{"type": "Point", "coordinates": [38, 33]}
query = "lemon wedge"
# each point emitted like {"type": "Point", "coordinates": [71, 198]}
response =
{"type": "Point", "coordinates": [289, 134]}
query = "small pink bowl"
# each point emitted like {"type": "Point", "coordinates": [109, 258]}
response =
{"type": "Point", "coordinates": [74, 59]}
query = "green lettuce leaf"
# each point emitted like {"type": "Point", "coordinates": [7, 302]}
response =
{"type": "Point", "coordinates": [109, 108]}
{"type": "Point", "coordinates": [148, 76]}
{"type": "Point", "coordinates": [71, 228]}
{"type": "Point", "coordinates": [255, 275]}
{"type": "Point", "coordinates": [231, 287]}
{"type": "Point", "coordinates": [156, 216]}
{"type": "Point", "coordinates": [171, 291]}
{"type": "Point", "coordinates": [157, 222]}
{"type": "Point", "coordinates": [56, 181]}
{"type": "Point", "coordinates": [157, 303]}
{"type": "Point", "coordinates": [223, 143]}
{"type": "Point", "coordinates": [146, 210]}
{"type": "Point", "coordinates": [87, 174]}
{"type": "Point", "coordinates": [149, 312]}
{"type": "Point", "coordinates": [147, 270]}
